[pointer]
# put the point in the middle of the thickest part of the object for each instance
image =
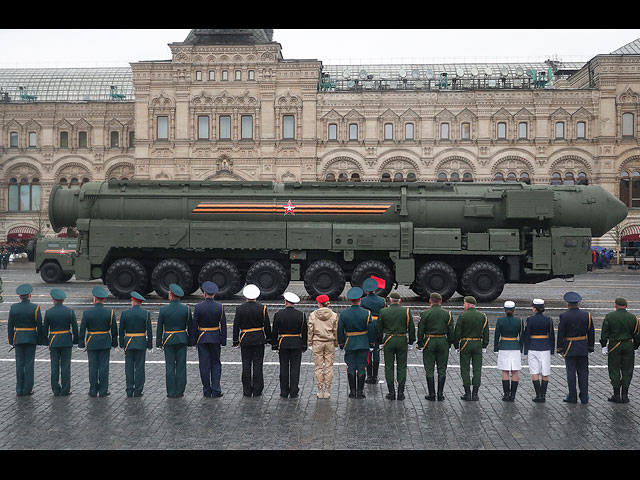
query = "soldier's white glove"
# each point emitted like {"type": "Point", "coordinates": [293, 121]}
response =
{"type": "Point", "coordinates": [605, 350]}
{"type": "Point", "coordinates": [484, 350]}
{"type": "Point", "coordinates": [410, 347]}
{"type": "Point", "coordinates": [457, 350]}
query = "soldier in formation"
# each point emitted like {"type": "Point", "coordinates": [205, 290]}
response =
{"type": "Point", "coordinates": [508, 343]}
{"type": "Point", "coordinates": [135, 338]}
{"type": "Point", "coordinates": [470, 338]}
{"type": "Point", "coordinates": [289, 338]}
{"type": "Point", "coordinates": [395, 323]}
{"type": "Point", "coordinates": [61, 329]}
{"type": "Point", "coordinates": [435, 337]}
{"type": "Point", "coordinates": [539, 344]}
{"type": "Point", "coordinates": [323, 340]}
{"type": "Point", "coordinates": [209, 334]}
{"type": "Point", "coordinates": [374, 303]}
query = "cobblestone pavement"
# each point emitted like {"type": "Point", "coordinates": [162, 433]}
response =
{"type": "Point", "coordinates": [42, 421]}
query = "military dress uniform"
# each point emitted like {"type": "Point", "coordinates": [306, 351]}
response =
{"type": "Point", "coordinates": [620, 331]}
{"type": "Point", "coordinates": [435, 337]}
{"type": "Point", "coordinates": [98, 333]}
{"type": "Point", "coordinates": [61, 327]}
{"type": "Point", "coordinates": [209, 334]}
{"type": "Point", "coordinates": [25, 332]}
{"type": "Point", "coordinates": [470, 337]}
{"type": "Point", "coordinates": [394, 324]}
{"type": "Point", "coordinates": [355, 336]}
{"type": "Point", "coordinates": [172, 336]}
{"type": "Point", "coordinates": [251, 331]}
{"type": "Point", "coordinates": [507, 343]}
{"type": "Point", "coordinates": [576, 339]}
{"type": "Point", "coordinates": [135, 337]}
{"type": "Point", "coordinates": [374, 303]}
{"type": "Point", "coordinates": [289, 337]}
{"type": "Point", "coordinates": [538, 344]}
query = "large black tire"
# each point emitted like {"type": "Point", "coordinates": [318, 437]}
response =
{"type": "Point", "coordinates": [376, 268]}
{"type": "Point", "coordinates": [483, 280]}
{"type": "Point", "coordinates": [224, 274]}
{"type": "Point", "coordinates": [168, 271]}
{"type": "Point", "coordinates": [67, 277]}
{"type": "Point", "coordinates": [51, 272]}
{"type": "Point", "coordinates": [436, 277]}
{"type": "Point", "coordinates": [324, 277]}
{"type": "Point", "coordinates": [124, 276]}
{"type": "Point", "coordinates": [270, 277]}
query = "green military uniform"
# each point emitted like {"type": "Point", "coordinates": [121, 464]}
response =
{"type": "Point", "coordinates": [98, 333]}
{"type": "Point", "coordinates": [172, 337]}
{"type": "Point", "coordinates": [25, 332]}
{"type": "Point", "coordinates": [355, 337]}
{"type": "Point", "coordinates": [620, 330]}
{"type": "Point", "coordinates": [394, 323]}
{"type": "Point", "coordinates": [135, 337]}
{"type": "Point", "coordinates": [4, 257]}
{"type": "Point", "coordinates": [508, 336]}
{"type": "Point", "coordinates": [374, 303]}
{"type": "Point", "coordinates": [435, 337]}
{"type": "Point", "coordinates": [61, 327]}
{"type": "Point", "coordinates": [470, 337]}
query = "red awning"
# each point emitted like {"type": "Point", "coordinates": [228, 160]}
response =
{"type": "Point", "coordinates": [634, 237]}
{"type": "Point", "coordinates": [21, 233]}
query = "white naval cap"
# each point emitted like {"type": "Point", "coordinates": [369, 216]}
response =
{"type": "Point", "coordinates": [508, 305]}
{"type": "Point", "coordinates": [251, 292]}
{"type": "Point", "coordinates": [291, 297]}
{"type": "Point", "coordinates": [538, 301]}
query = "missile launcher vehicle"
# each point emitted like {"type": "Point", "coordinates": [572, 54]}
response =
{"type": "Point", "coordinates": [433, 237]}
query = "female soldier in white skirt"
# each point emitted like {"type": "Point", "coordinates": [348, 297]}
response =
{"type": "Point", "coordinates": [539, 343]}
{"type": "Point", "coordinates": [508, 344]}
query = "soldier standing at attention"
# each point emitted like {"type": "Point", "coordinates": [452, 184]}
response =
{"type": "Point", "coordinates": [61, 327]}
{"type": "Point", "coordinates": [539, 344]}
{"type": "Point", "coordinates": [25, 332]}
{"type": "Point", "coordinates": [99, 330]}
{"type": "Point", "coordinates": [373, 303]}
{"type": "Point", "coordinates": [621, 332]}
{"type": "Point", "coordinates": [172, 337]}
{"type": "Point", "coordinates": [508, 343]}
{"type": "Point", "coordinates": [470, 338]}
{"type": "Point", "coordinates": [289, 338]}
{"type": "Point", "coordinates": [4, 257]}
{"type": "Point", "coordinates": [355, 336]}
{"type": "Point", "coordinates": [209, 333]}
{"type": "Point", "coordinates": [395, 322]}
{"type": "Point", "coordinates": [435, 337]}
{"type": "Point", "coordinates": [323, 339]}
{"type": "Point", "coordinates": [576, 339]}
{"type": "Point", "coordinates": [251, 330]}
{"type": "Point", "coordinates": [136, 337]}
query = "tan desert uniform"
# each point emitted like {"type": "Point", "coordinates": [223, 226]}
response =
{"type": "Point", "coordinates": [323, 339]}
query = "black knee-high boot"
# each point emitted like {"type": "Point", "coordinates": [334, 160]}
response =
{"type": "Point", "coordinates": [512, 393]}
{"type": "Point", "coordinates": [506, 388]}
{"type": "Point", "coordinates": [538, 388]}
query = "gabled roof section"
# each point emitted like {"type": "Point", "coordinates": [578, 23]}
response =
{"type": "Point", "coordinates": [631, 48]}
{"type": "Point", "coordinates": [229, 36]}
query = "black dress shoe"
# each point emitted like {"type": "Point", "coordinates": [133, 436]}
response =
{"type": "Point", "coordinates": [138, 394]}
{"type": "Point", "coordinates": [569, 401]}
{"type": "Point", "coordinates": [217, 395]}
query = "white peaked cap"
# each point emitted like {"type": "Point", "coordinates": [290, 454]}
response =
{"type": "Point", "coordinates": [251, 292]}
{"type": "Point", "coordinates": [291, 297]}
{"type": "Point", "coordinates": [538, 301]}
{"type": "Point", "coordinates": [509, 304]}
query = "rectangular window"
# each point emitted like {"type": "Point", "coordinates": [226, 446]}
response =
{"type": "Point", "coordinates": [251, 74]}
{"type": "Point", "coordinates": [198, 75]}
{"type": "Point", "coordinates": [212, 75]}
{"type": "Point", "coordinates": [225, 75]}
{"type": "Point", "coordinates": [25, 196]}
{"type": "Point", "coordinates": [408, 131]}
{"type": "Point", "coordinates": [287, 126]}
{"type": "Point", "coordinates": [35, 196]}
{"type": "Point", "coordinates": [132, 139]}
{"type": "Point", "coordinates": [465, 131]}
{"type": "Point", "coordinates": [203, 127]}
{"type": "Point", "coordinates": [444, 131]}
{"type": "Point", "coordinates": [82, 139]}
{"type": "Point", "coordinates": [627, 125]}
{"type": "Point", "coordinates": [353, 131]}
{"type": "Point", "coordinates": [13, 198]}
{"type": "Point", "coordinates": [238, 75]}
{"type": "Point", "coordinates": [581, 130]}
{"type": "Point", "coordinates": [13, 139]}
{"type": "Point", "coordinates": [502, 130]}
{"type": "Point", "coordinates": [333, 131]}
{"type": "Point", "coordinates": [32, 139]}
{"type": "Point", "coordinates": [559, 129]}
{"type": "Point", "coordinates": [64, 139]}
{"type": "Point", "coordinates": [225, 127]}
{"type": "Point", "coordinates": [246, 122]}
{"type": "Point", "coordinates": [388, 131]}
{"type": "Point", "coordinates": [163, 128]}
{"type": "Point", "coordinates": [522, 130]}
{"type": "Point", "coordinates": [115, 139]}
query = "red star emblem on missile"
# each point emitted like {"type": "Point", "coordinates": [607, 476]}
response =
{"type": "Point", "coordinates": [288, 208]}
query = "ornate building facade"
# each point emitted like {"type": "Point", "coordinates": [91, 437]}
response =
{"type": "Point", "coordinates": [227, 105]}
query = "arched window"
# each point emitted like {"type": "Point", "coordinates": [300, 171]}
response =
{"type": "Point", "coordinates": [502, 130]}
{"type": "Point", "coordinates": [388, 131]}
{"type": "Point", "coordinates": [498, 177]}
{"type": "Point", "coordinates": [355, 177]}
{"type": "Point", "coordinates": [455, 177]}
{"type": "Point", "coordinates": [628, 129]}
{"type": "Point", "coordinates": [411, 177]}
{"type": "Point", "coordinates": [330, 177]}
{"type": "Point", "coordinates": [444, 131]}
{"type": "Point", "coordinates": [386, 177]}
{"type": "Point", "coordinates": [524, 178]}
{"type": "Point", "coordinates": [333, 131]}
{"type": "Point", "coordinates": [408, 131]}
{"type": "Point", "coordinates": [556, 179]}
{"type": "Point", "coordinates": [569, 179]}
{"type": "Point", "coordinates": [24, 195]}
{"type": "Point", "coordinates": [342, 177]}
{"type": "Point", "coordinates": [467, 177]}
{"type": "Point", "coordinates": [630, 188]}
{"type": "Point", "coordinates": [465, 131]}
{"type": "Point", "coordinates": [62, 181]}
{"type": "Point", "coordinates": [511, 177]}
{"type": "Point", "coordinates": [559, 130]}
{"type": "Point", "coordinates": [442, 177]}
{"type": "Point", "coordinates": [582, 179]}
{"type": "Point", "coordinates": [398, 177]}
